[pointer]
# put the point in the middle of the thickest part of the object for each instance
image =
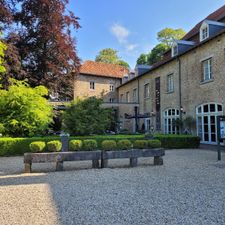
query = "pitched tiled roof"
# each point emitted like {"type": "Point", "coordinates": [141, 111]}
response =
{"type": "Point", "coordinates": [102, 69]}
{"type": "Point", "coordinates": [216, 16]}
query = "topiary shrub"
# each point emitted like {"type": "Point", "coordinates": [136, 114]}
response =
{"type": "Point", "coordinates": [54, 146]}
{"type": "Point", "coordinates": [140, 144]}
{"type": "Point", "coordinates": [37, 146]}
{"type": "Point", "coordinates": [89, 145]}
{"type": "Point", "coordinates": [124, 144]}
{"type": "Point", "coordinates": [75, 145]}
{"type": "Point", "coordinates": [154, 144]}
{"type": "Point", "coordinates": [109, 145]}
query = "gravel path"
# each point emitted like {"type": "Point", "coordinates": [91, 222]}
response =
{"type": "Point", "coordinates": [188, 189]}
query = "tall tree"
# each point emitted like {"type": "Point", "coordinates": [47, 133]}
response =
{"type": "Point", "coordinates": [2, 54]}
{"type": "Point", "coordinates": [143, 59]}
{"type": "Point", "coordinates": [168, 35]}
{"type": "Point", "coordinates": [156, 53]}
{"type": "Point", "coordinates": [45, 44]}
{"type": "Point", "coordinates": [109, 55]}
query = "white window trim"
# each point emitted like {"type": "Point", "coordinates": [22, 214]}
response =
{"type": "Point", "coordinates": [145, 96]}
{"type": "Point", "coordinates": [127, 96]}
{"type": "Point", "coordinates": [210, 69]}
{"type": "Point", "coordinates": [111, 89]}
{"type": "Point", "coordinates": [204, 26]}
{"type": "Point", "coordinates": [135, 100]}
{"type": "Point", "coordinates": [169, 89]}
{"type": "Point", "coordinates": [90, 85]}
{"type": "Point", "coordinates": [172, 49]}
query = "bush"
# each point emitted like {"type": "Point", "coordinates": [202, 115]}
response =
{"type": "Point", "coordinates": [124, 144]}
{"type": "Point", "coordinates": [154, 144]}
{"type": "Point", "coordinates": [75, 145]}
{"type": "Point", "coordinates": [140, 144]}
{"type": "Point", "coordinates": [37, 146]}
{"type": "Point", "coordinates": [89, 145]}
{"type": "Point", "coordinates": [109, 145]}
{"type": "Point", "coordinates": [54, 146]}
{"type": "Point", "coordinates": [179, 141]}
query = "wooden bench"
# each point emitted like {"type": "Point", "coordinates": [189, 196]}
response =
{"type": "Point", "coordinates": [59, 158]}
{"type": "Point", "coordinates": [95, 156]}
{"type": "Point", "coordinates": [133, 155]}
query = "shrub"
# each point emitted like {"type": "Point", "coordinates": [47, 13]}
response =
{"type": "Point", "coordinates": [75, 145]}
{"type": "Point", "coordinates": [37, 146]}
{"type": "Point", "coordinates": [154, 144]}
{"type": "Point", "coordinates": [140, 144]}
{"type": "Point", "coordinates": [89, 145]}
{"type": "Point", "coordinates": [109, 145]}
{"type": "Point", "coordinates": [179, 141]}
{"type": "Point", "coordinates": [54, 146]}
{"type": "Point", "coordinates": [124, 144]}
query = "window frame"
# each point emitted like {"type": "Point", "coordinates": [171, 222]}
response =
{"type": "Point", "coordinates": [170, 83]}
{"type": "Point", "coordinates": [204, 32]}
{"type": "Point", "coordinates": [111, 87]}
{"type": "Point", "coordinates": [90, 85]}
{"type": "Point", "coordinates": [135, 95]}
{"type": "Point", "coordinates": [209, 76]}
{"type": "Point", "coordinates": [146, 93]}
{"type": "Point", "coordinates": [127, 96]}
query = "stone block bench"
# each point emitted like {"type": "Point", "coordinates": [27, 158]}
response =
{"type": "Point", "coordinates": [59, 158]}
{"type": "Point", "coordinates": [133, 155]}
{"type": "Point", "coordinates": [94, 156]}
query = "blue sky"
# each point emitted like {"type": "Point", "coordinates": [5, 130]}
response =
{"type": "Point", "coordinates": [131, 26]}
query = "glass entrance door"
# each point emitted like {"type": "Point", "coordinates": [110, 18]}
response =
{"type": "Point", "coordinates": [206, 122]}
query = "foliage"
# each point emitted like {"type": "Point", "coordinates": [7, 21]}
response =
{"type": "Point", "coordinates": [179, 141]}
{"type": "Point", "coordinates": [54, 146]}
{"type": "Point", "coordinates": [109, 145]}
{"type": "Point", "coordinates": [168, 35]}
{"type": "Point", "coordinates": [23, 110]}
{"type": "Point", "coordinates": [156, 53]}
{"type": "Point", "coordinates": [143, 59]}
{"type": "Point", "coordinates": [124, 144]}
{"type": "Point", "coordinates": [154, 143]}
{"type": "Point", "coordinates": [85, 117]}
{"type": "Point", "coordinates": [2, 50]}
{"type": "Point", "coordinates": [75, 145]}
{"type": "Point", "coordinates": [109, 55]}
{"type": "Point", "coordinates": [90, 145]}
{"type": "Point", "coordinates": [43, 41]}
{"type": "Point", "coordinates": [140, 144]}
{"type": "Point", "coordinates": [37, 146]}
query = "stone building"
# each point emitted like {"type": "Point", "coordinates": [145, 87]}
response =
{"type": "Point", "coordinates": [189, 82]}
{"type": "Point", "coordinates": [99, 79]}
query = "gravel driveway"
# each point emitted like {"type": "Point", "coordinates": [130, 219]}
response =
{"type": "Point", "coordinates": [188, 189]}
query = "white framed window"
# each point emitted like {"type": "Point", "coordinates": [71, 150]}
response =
{"type": "Point", "coordinates": [111, 87]}
{"type": "Point", "coordinates": [128, 96]}
{"type": "Point", "coordinates": [111, 100]}
{"type": "Point", "coordinates": [170, 83]}
{"type": "Point", "coordinates": [92, 85]}
{"type": "Point", "coordinates": [170, 117]}
{"type": "Point", "coordinates": [207, 69]}
{"type": "Point", "coordinates": [135, 95]}
{"type": "Point", "coordinates": [146, 90]}
{"type": "Point", "coordinates": [204, 31]}
{"type": "Point", "coordinates": [174, 50]}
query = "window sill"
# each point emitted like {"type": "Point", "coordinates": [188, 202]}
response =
{"type": "Point", "coordinates": [206, 81]}
{"type": "Point", "coordinates": [170, 92]}
{"type": "Point", "coordinates": [146, 98]}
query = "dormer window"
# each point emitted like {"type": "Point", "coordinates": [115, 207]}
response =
{"type": "Point", "coordinates": [204, 31]}
{"type": "Point", "coordinates": [174, 50]}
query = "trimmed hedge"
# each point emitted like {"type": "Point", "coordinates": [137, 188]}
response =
{"type": "Point", "coordinates": [37, 146]}
{"type": "Point", "coordinates": [154, 144]}
{"type": "Point", "coordinates": [109, 145]}
{"type": "Point", "coordinates": [140, 144]}
{"type": "Point", "coordinates": [75, 145]}
{"type": "Point", "coordinates": [89, 145]}
{"type": "Point", "coordinates": [179, 141]}
{"type": "Point", "coordinates": [54, 146]}
{"type": "Point", "coordinates": [124, 144]}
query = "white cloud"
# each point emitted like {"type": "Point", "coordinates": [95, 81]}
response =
{"type": "Point", "coordinates": [120, 32]}
{"type": "Point", "coordinates": [131, 47]}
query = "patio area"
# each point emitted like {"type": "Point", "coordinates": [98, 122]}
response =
{"type": "Point", "coordinates": [188, 189]}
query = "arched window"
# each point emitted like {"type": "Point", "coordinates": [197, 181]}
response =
{"type": "Point", "coordinates": [170, 116]}
{"type": "Point", "coordinates": [206, 121]}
